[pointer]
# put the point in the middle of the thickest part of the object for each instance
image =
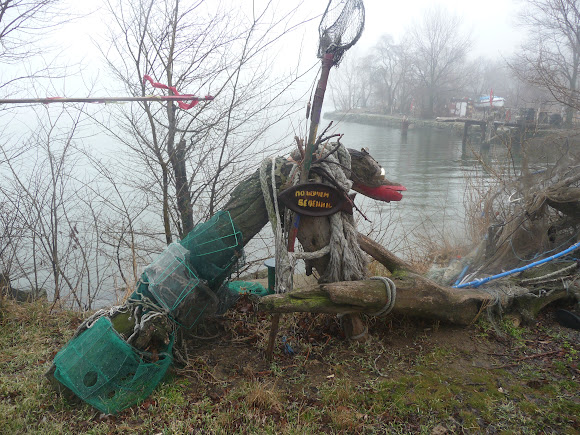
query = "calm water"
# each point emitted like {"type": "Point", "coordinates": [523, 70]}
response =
{"type": "Point", "coordinates": [430, 165]}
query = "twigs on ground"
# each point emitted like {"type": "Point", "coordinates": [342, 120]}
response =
{"type": "Point", "coordinates": [527, 357]}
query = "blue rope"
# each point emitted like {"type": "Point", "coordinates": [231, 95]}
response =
{"type": "Point", "coordinates": [476, 283]}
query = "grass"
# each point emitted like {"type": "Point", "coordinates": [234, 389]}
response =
{"type": "Point", "coordinates": [411, 377]}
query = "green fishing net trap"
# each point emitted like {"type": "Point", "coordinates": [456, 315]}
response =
{"type": "Point", "coordinates": [184, 280]}
{"type": "Point", "coordinates": [105, 371]}
{"type": "Point", "coordinates": [170, 278]}
{"type": "Point", "coordinates": [215, 247]}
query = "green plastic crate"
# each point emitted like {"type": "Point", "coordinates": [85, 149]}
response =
{"type": "Point", "coordinates": [106, 372]}
{"type": "Point", "coordinates": [215, 247]}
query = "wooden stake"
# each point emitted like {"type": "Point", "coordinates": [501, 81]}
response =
{"type": "Point", "coordinates": [272, 338]}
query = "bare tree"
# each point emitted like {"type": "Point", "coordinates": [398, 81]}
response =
{"type": "Point", "coordinates": [351, 84]}
{"type": "Point", "coordinates": [391, 74]}
{"type": "Point", "coordinates": [48, 214]}
{"type": "Point", "coordinates": [24, 26]}
{"type": "Point", "coordinates": [439, 50]}
{"type": "Point", "coordinates": [186, 159]}
{"type": "Point", "coordinates": [550, 58]}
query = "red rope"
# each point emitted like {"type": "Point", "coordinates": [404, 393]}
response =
{"type": "Point", "coordinates": [181, 104]}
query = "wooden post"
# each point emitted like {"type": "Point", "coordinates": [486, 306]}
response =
{"type": "Point", "coordinates": [464, 140]}
{"type": "Point", "coordinates": [272, 337]}
{"type": "Point", "coordinates": [404, 126]}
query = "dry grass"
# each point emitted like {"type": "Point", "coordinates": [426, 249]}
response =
{"type": "Point", "coordinates": [410, 377]}
{"type": "Point", "coordinates": [262, 396]}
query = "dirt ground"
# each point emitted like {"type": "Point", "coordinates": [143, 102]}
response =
{"type": "Point", "coordinates": [403, 362]}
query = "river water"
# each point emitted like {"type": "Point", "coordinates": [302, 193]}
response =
{"type": "Point", "coordinates": [430, 164]}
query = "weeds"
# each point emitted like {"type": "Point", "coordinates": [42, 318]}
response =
{"type": "Point", "coordinates": [411, 377]}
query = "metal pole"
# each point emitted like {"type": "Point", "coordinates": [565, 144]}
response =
{"type": "Point", "coordinates": [103, 99]}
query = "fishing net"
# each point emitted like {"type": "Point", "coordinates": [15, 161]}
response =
{"type": "Point", "coordinates": [250, 288]}
{"type": "Point", "coordinates": [103, 370]}
{"type": "Point", "coordinates": [533, 216]}
{"type": "Point", "coordinates": [170, 278]}
{"type": "Point", "coordinates": [229, 293]}
{"type": "Point", "coordinates": [340, 28]}
{"type": "Point", "coordinates": [181, 279]}
{"type": "Point", "coordinates": [175, 287]}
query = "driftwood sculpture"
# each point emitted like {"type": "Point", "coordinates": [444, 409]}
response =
{"type": "Point", "coordinates": [416, 295]}
{"type": "Point", "coordinates": [119, 355]}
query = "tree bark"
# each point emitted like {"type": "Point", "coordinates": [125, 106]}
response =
{"type": "Point", "coordinates": [246, 205]}
{"type": "Point", "coordinates": [177, 157]}
{"type": "Point", "coordinates": [416, 296]}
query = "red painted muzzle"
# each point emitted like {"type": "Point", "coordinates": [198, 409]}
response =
{"type": "Point", "coordinates": [381, 193]}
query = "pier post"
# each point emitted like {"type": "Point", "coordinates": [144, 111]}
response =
{"type": "Point", "coordinates": [464, 140]}
{"type": "Point", "coordinates": [404, 126]}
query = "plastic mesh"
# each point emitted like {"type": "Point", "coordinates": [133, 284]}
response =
{"type": "Point", "coordinates": [105, 371]}
{"type": "Point", "coordinates": [170, 278]}
{"type": "Point", "coordinates": [198, 304]}
{"type": "Point", "coordinates": [245, 287]}
{"type": "Point", "coordinates": [215, 247]}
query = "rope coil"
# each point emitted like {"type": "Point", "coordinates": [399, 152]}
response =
{"type": "Point", "coordinates": [391, 296]}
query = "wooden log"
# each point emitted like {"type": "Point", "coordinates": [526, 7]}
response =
{"type": "Point", "coordinates": [382, 255]}
{"type": "Point", "coordinates": [416, 296]}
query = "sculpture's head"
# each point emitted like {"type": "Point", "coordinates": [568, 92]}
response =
{"type": "Point", "coordinates": [369, 178]}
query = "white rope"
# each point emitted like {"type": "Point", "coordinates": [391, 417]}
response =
{"type": "Point", "coordinates": [284, 261]}
{"type": "Point", "coordinates": [111, 312]}
{"type": "Point", "coordinates": [140, 325]}
{"type": "Point", "coordinates": [391, 296]}
{"type": "Point", "coordinates": [549, 275]}
{"type": "Point", "coordinates": [347, 260]}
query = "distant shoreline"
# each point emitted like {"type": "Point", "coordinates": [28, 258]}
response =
{"type": "Point", "coordinates": [390, 120]}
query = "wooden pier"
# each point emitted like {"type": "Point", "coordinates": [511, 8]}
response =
{"type": "Point", "coordinates": [486, 134]}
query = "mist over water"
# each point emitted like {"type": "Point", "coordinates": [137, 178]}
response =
{"type": "Point", "coordinates": [429, 163]}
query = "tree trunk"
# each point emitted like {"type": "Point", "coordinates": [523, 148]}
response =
{"type": "Point", "coordinates": [246, 205]}
{"type": "Point", "coordinates": [182, 188]}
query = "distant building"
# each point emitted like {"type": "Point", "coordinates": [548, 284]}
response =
{"type": "Point", "coordinates": [460, 107]}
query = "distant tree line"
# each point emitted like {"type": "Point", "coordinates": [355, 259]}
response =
{"type": "Point", "coordinates": [431, 63]}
